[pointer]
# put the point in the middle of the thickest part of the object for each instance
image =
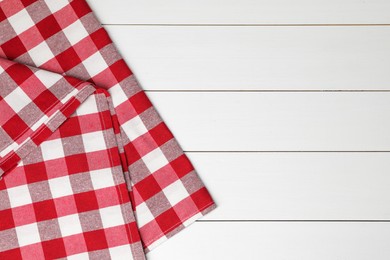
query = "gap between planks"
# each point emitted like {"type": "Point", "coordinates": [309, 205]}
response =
{"type": "Point", "coordinates": [296, 220]}
{"type": "Point", "coordinates": [305, 151]}
{"type": "Point", "coordinates": [270, 90]}
{"type": "Point", "coordinates": [243, 25]}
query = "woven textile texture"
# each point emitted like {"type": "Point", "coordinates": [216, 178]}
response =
{"type": "Point", "coordinates": [89, 170]}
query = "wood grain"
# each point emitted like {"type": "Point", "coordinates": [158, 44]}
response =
{"type": "Point", "coordinates": [274, 121]}
{"type": "Point", "coordinates": [278, 241]}
{"type": "Point", "coordinates": [256, 58]}
{"type": "Point", "coordinates": [296, 186]}
{"type": "Point", "coordinates": [283, 107]}
{"type": "Point", "coordinates": [242, 12]}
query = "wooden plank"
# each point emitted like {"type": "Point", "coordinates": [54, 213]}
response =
{"type": "Point", "coordinates": [242, 12]}
{"type": "Point", "coordinates": [256, 58]}
{"type": "Point", "coordinates": [277, 241]}
{"type": "Point", "coordinates": [296, 186]}
{"type": "Point", "coordinates": [275, 121]}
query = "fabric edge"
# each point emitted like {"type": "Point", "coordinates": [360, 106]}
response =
{"type": "Point", "coordinates": [84, 89]}
{"type": "Point", "coordinates": [188, 221]}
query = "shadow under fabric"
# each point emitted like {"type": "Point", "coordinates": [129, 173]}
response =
{"type": "Point", "coordinates": [88, 167]}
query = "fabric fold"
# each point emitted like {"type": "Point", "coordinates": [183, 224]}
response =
{"type": "Point", "coordinates": [112, 177]}
{"type": "Point", "coordinates": [33, 104]}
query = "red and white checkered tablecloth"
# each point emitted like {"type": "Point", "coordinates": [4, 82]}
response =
{"type": "Point", "coordinates": [89, 170]}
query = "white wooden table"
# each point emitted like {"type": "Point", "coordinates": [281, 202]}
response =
{"type": "Point", "coordinates": [284, 109]}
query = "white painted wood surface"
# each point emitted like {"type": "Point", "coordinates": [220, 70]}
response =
{"type": "Point", "coordinates": [284, 109]}
{"type": "Point", "coordinates": [277, 121]}
{"type": "Point", "coordinates": [279, 241]}
{"type": "Point", "coordinates": [257, 58]}
{"type": "Point", "coordinates": [296, 186]}
{"type": "Point", "coordinates": [242, 12]}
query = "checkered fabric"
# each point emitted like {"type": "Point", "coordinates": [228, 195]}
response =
{"type": "Point", "coordinates": [89, 170]}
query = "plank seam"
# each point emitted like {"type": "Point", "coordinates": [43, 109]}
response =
{"type": "Point", "coordinates": [252, 25]}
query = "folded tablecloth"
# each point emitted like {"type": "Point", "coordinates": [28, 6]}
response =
{"type": "Point", "coordinates": [89, 170]}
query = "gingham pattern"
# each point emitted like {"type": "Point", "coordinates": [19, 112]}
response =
{"type": "Point", "coordinates": [67, 197]}
{"type": "Point", "coordinates": [164, 192]}
{"type": "Point", "coordinates": [30, 114]}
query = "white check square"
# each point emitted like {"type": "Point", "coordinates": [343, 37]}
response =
{"type": "Point", "coordinates": [89, 106]}
{"type": "Point", "coordinates": [175, 192]}
{"type": "Point", "coordinates": [28, 234]}
{"type": "Point", "coordinates": [143, 214]}
{"type": "Point", "coordinates": [40, 122]}
{"type": "Point", "coordinates": [60, 187]}
{"type": "Point", "coordinates": [95, 64]}
{"type": "Point", "coordinates": [94, 141]}
{"type": "Point", "coordinates": [102, 178]}
{"type": "Point", "coordinates": [56, 5]}
{"type": "Point", "coordinates": [155, 160]}
{"type": "Point", "coordinates": [117, 94]}
{"type": "Point", "coordinates": [118, 253]}
{"type": "Point", "coordinates": [21, 21]}
{"type": "Point", "coordinates": [52, 149]}
{"type": "Point", "coordinates": [19, 196]}
{"type": "Point", "coordinates": [134, 128]}
{"type": "Point", "coordinates": [80, 256]}
{"type": "Point", "coordinates": [47, 78]}
{"type": "Point", "coordinates": [9, 148]}
{"type": "Point", "coordinates": [70, 225]}
{"type": "Point", "coordinates": [41, 54]}
{"type": "Point", "coordinates": [111, 216]}
{"type": "Point", "coordinates": [17, 99]}
{"type": "Point", "coordinates": [75, 32]}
